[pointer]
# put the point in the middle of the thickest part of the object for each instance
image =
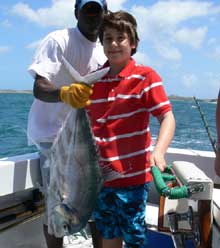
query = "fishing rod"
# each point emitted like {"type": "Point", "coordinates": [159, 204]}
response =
{"type": "Point", "coordinates": [213, 142]}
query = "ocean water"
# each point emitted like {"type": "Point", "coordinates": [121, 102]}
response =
{"type": "Point", "coordinates": [190, 130]}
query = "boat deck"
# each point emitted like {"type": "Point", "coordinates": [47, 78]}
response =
{"type": "Point", "coordinates": [20, 175]}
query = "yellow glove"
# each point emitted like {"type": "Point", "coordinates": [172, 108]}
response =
{"type": "Point", "coordinates": [77, 95]}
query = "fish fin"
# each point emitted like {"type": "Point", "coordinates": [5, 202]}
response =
{"type": "Point", "coordinates": [89, 78]}
{"type": "Point", "coordinates": [75, 74]}
{"type": "Point", "coordinates": [109, 174]}
{"type": "Point", "coordinates": [95, 76]}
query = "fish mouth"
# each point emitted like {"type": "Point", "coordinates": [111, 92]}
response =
{"type": "Point", "coordinates": [67, 219]}
{"type": "Point", "coordinates": [114, 52]}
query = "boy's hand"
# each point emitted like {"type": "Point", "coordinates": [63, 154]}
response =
{"type": "Point", "coordinates": [217, 164]}
{"type": "Point", "coordinates": [76, 95]}
{"type": "Point", "coordinates": [157, 158]}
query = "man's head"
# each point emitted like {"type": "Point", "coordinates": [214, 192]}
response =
{"type": "Point", "coordinates": [90, 15]}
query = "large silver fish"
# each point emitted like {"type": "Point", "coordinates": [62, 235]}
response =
{"type": "Point", "coordinates": [75, 177]}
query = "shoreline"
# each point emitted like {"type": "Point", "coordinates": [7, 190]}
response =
{"type": "Point", "coordinates": [171, 97]}
{"type": "Point", "coordinates": [15, 91]}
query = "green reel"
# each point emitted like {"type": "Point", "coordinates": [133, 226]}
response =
{"type": "Point", "coordinates": [161, 180]}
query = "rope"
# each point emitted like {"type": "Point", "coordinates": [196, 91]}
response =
{"type": "Point", "coordinates": [160, 180]}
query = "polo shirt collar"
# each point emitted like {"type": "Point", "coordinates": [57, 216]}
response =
{"type": "Point", "coordinates": [127, 69]}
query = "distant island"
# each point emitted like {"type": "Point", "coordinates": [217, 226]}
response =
{"type": "Point", "coordinates": [16, 91]}
{"type": "Point", "coordinates": [183, 98]}
{"type": "Point", "coordinates": [171, 97]}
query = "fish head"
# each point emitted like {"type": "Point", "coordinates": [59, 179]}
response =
{"type": "Point", "coordinates": [65, 220]}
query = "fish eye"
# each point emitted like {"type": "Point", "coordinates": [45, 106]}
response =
{"type": "Point", "coordinates": [65, 227]}
{"type": "Point", "coordinates": [75, 220]}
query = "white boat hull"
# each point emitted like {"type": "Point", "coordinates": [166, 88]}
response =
{"type": "Point", "coordinates": [21, 174]}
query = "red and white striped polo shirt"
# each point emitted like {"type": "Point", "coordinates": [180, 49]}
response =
{"type": "Point", "coordinates": [120, 110]}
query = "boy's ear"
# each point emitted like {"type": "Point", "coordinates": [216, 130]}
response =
{"type": "Point", "coordinates": [133, 46]}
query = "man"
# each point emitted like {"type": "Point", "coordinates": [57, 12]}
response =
{"type": "Point", "coordinates": [55, 93]}
{"type": "Point", "coordinates": [217, 159]}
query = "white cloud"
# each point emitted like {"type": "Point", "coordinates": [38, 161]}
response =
{"type": "Point", "coordinates": [189, 80]}
{"type": "Point", "coordinates": [164, 25]}
{"type": "Point", "coordinates": [167, 51]}
{"type": "Point", "coordinates": [115, 5]}
{"type": "Point", "coordinates": [215, 53]}
{"type": "Point", "coordinates": [6, 24]}
{"type": "Point", "coordinates": [211, 85]}
{"type": "Point", "coordinates": [191, 37]}
{"type": "Point", "coordinates": [174, 11]}
{"type": "Point", "coordinates": [216, 10]}
{"type": "Point", "coordinates": [4, 49]}
{"type": "Point", "coordinates": [167, 23]}
{"type": "Point", "coordinates": [141, 58]}
{"type": "Point", "coordinates": [212, 41]}
{"type": "Point", "coordinates": [34, 44]}
{"type": "Point", "coordinates": [60, 14]}
{"type": "Point", "coordinates": [166, 16]}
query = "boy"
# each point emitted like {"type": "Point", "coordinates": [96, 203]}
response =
{"type": "Point", "coordinates": [120, 108]}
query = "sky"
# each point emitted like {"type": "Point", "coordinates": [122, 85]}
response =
{"type": "Point", "coordinates": [179, 39]}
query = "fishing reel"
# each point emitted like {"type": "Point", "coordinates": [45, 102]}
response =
{"type": "Point", "coordinates": [180, 238]}
{"type": "Point", "coordinates": [163, 181]}
{"type": "Point", "coordinates": [185, 203]}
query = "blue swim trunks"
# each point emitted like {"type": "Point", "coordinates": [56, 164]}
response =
{"type": "Point", "coordinates": [120, 212]}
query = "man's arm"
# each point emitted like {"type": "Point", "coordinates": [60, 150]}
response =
{"type": "Point", "coordinates": [76, 94]}
{"type": "Point", "coordinates": [218, 120]}
{"type": "Point", "coordinates": [45, 91]}
{"type": "Point", "coordinates": [166, 132]}
{"type": "Point", "coordinates": [217, 160]}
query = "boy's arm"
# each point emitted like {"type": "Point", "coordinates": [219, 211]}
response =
{"type": "Point", "coordinates": [166, 132]}
{"type": "Point", "coordinates": [217, 159]}
{"type": "Point", "coordinates": [218, 120]}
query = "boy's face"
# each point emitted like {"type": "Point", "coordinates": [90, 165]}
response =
{"type": "Point", "coordinates": [117, 46]}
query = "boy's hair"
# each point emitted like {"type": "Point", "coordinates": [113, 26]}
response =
{"type": "Point", "coordinates": [123, 22]}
